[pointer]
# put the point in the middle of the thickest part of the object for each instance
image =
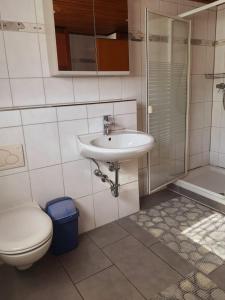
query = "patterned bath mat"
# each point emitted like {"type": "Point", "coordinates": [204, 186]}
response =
{"type": "Point", "coordinates": [196, 286]}
{"type": "Point", "coordinates": [193, 231]}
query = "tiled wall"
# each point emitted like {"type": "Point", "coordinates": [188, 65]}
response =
{"type": "Point", "coordinates": [204, 28]}
{"type": "Point", "coordinates": [54, 167]}
{"type": "Point", "coordinates": [217, 153]}
{"type": "Point", "coordinates": [25, 79]}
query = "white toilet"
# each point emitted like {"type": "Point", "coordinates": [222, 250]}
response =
{"type": "Point", "coordinates": [25, 235]}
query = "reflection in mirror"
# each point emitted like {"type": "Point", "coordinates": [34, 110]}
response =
{"type": "Point", "coordinates": [111, 23]}
{"type": "Point", "coordinates": [75, 35]}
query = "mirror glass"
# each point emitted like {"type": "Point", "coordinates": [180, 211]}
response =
{"type": "Point", "coordinates": [111, 23]}
{"type": "Point", "coordinates": [75, 35]}
{"type": "Point", "coordinates": [91, 35]}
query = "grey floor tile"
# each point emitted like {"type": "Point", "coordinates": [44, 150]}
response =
{"type": "Point", "coordinates": [143, 268]}
{"type": "Point", "coordinates": [181, 265]}
{"type": "Point", "coordinates": [218, 276]}
{"type": "Point", "coordinates": [45, 280]}
{"type": "Point", "coordinates": [156, 198]}
{"type": "Point", "coordinates": [109, 284]}
{"type": "Point", "coordinates": [87, 259]}
{"type": "Point", "coordinates": [138, 232]}
{"type": "Point", "coordinates": [107, 234]}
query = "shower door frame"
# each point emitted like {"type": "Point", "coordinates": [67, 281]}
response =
{"type": "Point", "coordinates": [186, 155]}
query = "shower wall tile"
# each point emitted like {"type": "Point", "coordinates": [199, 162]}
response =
{"type": "Point", "coordinates": [217, 151]}
{"type": "Point", "coordinates": [5, 93]}
{"type": "Point", "coordinates": [53, 166]}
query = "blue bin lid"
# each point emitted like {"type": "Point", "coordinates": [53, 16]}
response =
{"type": "Point", "coordinates": [61, 208]}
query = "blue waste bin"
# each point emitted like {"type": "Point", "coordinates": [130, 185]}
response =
{"type": "Point", "coordinates": [64, 215]}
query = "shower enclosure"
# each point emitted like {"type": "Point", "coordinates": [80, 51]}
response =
{"type": "Point", "coordinates": [168, 53]}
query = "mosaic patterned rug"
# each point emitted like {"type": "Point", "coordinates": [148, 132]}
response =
{"type": "Point", "coordinates": [193, 231]}
{"type": "Point", "coordinates": [196, 286]}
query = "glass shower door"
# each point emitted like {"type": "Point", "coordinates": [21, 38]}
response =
{"type": "Point", "coordinates": [168, 71]}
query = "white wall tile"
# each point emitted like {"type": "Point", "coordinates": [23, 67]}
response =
{"type": "Point", "coordinates": [3, 63]}
{"type": "Point", "coordinates": [10, 118]}
{"type": "Point", "coordinates": [212, 19]}
{"type": "Point", "coordinates": [196, 141]}
{"type": "Point", "coordinates": [38, 115]}
{"type": "Point", "coordinates": [220, 28]}
{"type": "Point", "coordinates": [198, 65]}
{"type": "Point", "coordinates": [219, 59]}
{"type": "Point", "coordinates": [26, 60]}
{"type": "Point", "coordinates": [195, 161]}
{"type": "Point", "coordinates": [86, 210]}
{"type": "Point", "coordinates": [77, 178]}
{"type": "Point", "coordinates": [44, 55]}
{"type": "Point", "coordinates": [42, 145]}
{"type": "Point", "coordinates": [197, 115]}
{"type": "Point", "coordinates": [59, 90]}
{"type": "Point", "coordinates": [200, 25]}
{"type": "Point", "coordinates": [39, 11]}
{"type": "Point", "coordinates": [5, 93]}
{"type": "Point", "coordinates": [15, 189]}
{"type": "Point", "coordinates": [215, 139]}
{"type": "Point", "coordinates": [68, 132]}
{"type": "Point", "coordinates": [216, 114]}
{"type": "Point", "coordinates": [214, 158]}
{"type": "Point", "coordinates": [22, 10]}
{"type": "Point", "coordinates": [77, 112]}
{"type": "Point", "coordinates": [27, 92]}
{"type": "Point", "coordinates": [125, 122]}
{"type": "Point", "coordinates": [128, 199]}
{"type": "Point", "coordinates": [99, 110]}
{"type": "Point", "coordinates": [106, 208]}
{"type": "Point", "coordinates": [95, 125]}
{"type": "Point", "coordinates": [222, 141]}
{"type": "Point", "coordinates": [152, 5]}
{"type": "Point", "coordinates": [47, 184]}
{"type": "Point", "coordinates": [110, 88]}
{"type": "Point", "coordinates": [131, 87]}
{"type": "Point", "coordinates": [206, 139]}
{"type": "Point", "coordinates": [207, 114]}
{"type": "Point", "coordinates": [169, 8]}
{"type": "Point", "coordinates": [122, 108]}
{"type": "Point", "coordinates": [222, 160]}
{"type": "Point", "coordinates": [84, 94]}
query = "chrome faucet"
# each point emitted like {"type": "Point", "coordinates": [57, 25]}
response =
{"type": "Point", "coordinates": [107, 122]}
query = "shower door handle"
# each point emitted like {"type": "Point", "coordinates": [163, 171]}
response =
{"type": "Point", "coordinates": [150, 109]}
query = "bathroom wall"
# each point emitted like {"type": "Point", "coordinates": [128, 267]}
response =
{"type": "Point", "coordinates": [25, 81]}
{"type": "Point", "coordinates": [203, 37]}
{"type": "Point", "coordinates": [53, 166]}
{"type": "Point", "coordinates": [217, 153]}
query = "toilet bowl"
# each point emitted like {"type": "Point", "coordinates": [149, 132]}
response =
{"type": "Point", "coordinates": [25, 235]}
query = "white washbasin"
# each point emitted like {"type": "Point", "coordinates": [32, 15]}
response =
{"type": "Point", "coordinates": [117, 146]}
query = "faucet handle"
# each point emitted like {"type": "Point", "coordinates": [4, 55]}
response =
{"type": "Point", "coordinates": [108, 119]}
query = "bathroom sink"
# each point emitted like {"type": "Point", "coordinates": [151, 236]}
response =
{"type": "Point", "coordinates": [117, 146]}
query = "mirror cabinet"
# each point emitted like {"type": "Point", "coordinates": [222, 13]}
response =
{"type": "Point", "coordinates": [87, 37]}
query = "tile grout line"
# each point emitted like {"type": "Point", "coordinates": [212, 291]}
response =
{"type": "Point", "coordinates": [149, 248]}
{"type": "Point", "coordinates": [113, 264]}
{"type": "Point", "coordinates": [69, 277]}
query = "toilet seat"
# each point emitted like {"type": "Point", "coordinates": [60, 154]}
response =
{"type": "Point", "coordinates": [23, 229]}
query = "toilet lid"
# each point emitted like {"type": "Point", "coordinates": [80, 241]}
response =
{"type": "Point", "coordinates": [23, 228]}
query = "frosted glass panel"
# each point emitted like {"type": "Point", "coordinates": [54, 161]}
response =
{"type": "Point", "coordinates": [167, 47]}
